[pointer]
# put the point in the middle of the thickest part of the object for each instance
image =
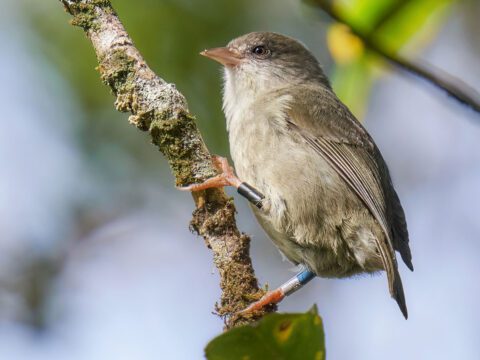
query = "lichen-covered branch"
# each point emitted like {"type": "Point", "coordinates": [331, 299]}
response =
{"type": "Point", "coordinates": [158, 108]}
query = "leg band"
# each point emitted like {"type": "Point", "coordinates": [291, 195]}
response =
{"type": "Point", "coordinates": [297, 282]}
{"type": "Point", "coordinates": [251, 194]}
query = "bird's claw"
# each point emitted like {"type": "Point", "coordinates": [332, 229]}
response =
{"type": "Point", "coordinates": [225, 178]}
{"type": "Point", "coordinates": [270, 298]}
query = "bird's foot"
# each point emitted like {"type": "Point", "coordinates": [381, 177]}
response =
{"type": "Point", "coordinates": [277, 295]}
{"type": "Point", "coordinates": [226, 177]}
{"type": "Point", "coordinates": [270, 298]}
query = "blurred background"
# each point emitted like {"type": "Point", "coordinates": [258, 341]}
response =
{"type": "Point", "coordinates": [92, 229]}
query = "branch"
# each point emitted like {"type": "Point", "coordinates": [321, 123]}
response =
{"type": "Point", "coordinates": [439, 78]}
{"type": "Point", "coordinates": [160, 109]}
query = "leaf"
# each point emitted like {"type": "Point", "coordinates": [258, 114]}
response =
{"type": "Point", "coordinates": [364, 14]}
{"type": "Point", "coordinates": [344, 47]}
{"type": "Point", "coordinates": [416, 21]}
{"type": "Point", "coordinates": [276, 336]}
{"type": "Point", "coordinates": [392, 23]}
{"type": "Point", "coordinates": [352, 83]}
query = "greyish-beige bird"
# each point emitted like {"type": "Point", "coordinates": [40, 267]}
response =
{"type": "Point", "coordinates": [318, 183]}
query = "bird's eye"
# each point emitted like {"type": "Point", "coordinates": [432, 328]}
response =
{"type": "Point", "coordinates": [261, 51]}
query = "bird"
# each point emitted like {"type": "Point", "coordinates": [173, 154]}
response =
{"type": "Point", "coordinates": [317, 182]}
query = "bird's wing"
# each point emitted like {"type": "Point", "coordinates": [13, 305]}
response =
{"type": "Point", "coordinates": [340, 139]}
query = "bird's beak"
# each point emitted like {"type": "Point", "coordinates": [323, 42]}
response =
{"type": "Point", "coordinates": [223, 55]}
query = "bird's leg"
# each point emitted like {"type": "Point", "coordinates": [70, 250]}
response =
{"type": "Point", "coordinates": [277, 295]}
{"type": "Point", "coordinates": [227, 177]}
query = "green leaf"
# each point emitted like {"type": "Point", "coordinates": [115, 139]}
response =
{"type": "Point", "coordinates": [364, 14]}
{"type": "Point", "coordinates": [276, 336]}
{"type": "Point", "coordinates": [352, 83]}
{"type": "Point", "coordinates": [394, 24]}
{"type": "Point", "coordinates": [415, 21]}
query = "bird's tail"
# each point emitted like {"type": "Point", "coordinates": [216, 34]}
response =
{"type": "Point", "coordinates": [398, 294]}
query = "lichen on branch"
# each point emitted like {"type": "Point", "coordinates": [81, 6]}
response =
{"type": "Point", "coordinates": [160, 109]}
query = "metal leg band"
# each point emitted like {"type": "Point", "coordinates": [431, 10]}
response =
{"type": "Point", "coordinates": [251, 194]}
{"type": "Point", "coordinates": [297, 282]}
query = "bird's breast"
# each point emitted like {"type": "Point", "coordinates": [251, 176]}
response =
{"type": "Point", "coordinates": [257, 142]}
{"type": "Point", "coordinates": [292, 176]}
{"type": "Point", "coordinates": [307, 203]}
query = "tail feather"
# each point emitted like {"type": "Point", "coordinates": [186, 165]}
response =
{"type": "Point", "coordinates": [398, 294]}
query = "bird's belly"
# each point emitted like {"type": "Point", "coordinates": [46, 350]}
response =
{"type": "Point", "coordinates": [310, 214]}
{"type": "Point", "coordinates": [331, 256]}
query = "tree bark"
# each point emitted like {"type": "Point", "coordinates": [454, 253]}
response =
{"type": "Point", "coordinates": [160, 109]}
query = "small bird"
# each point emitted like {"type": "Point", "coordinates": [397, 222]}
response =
{"type": "Point", "coordinates": [317, 182]}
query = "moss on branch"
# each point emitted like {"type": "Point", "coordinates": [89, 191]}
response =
{"type": "Point", "coordinates": [158, 107]}
{"type": "Point", "coordinates": [84, 14]}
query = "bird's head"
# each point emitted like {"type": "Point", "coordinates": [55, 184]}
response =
{"type": "Point", "coordinates": [265, 61]}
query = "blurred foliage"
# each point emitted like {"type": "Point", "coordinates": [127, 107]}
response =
{"type": "Point", "coordinates": [276, 337]}
{"type": "Point", "coordinates": [169, 34]}
{"type": "Point", "coordinates": [395, 24]}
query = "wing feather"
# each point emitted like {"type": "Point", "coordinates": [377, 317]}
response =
{"type": "Point", "coordinates": [357, 163]}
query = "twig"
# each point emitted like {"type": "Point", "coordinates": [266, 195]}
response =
{"type": "Point", "coordinates": [441, 79]}
{"type": "Point", "coordinates": [160, 109]}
